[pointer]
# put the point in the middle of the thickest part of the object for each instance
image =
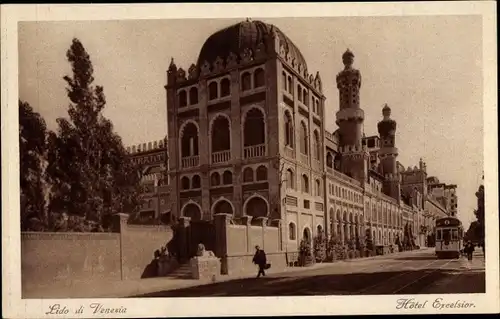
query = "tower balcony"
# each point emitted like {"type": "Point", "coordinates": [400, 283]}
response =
{"type": "Point", "coordinates": [190, 161]}
{"type": "Point", "coordinates": [348, 114]}
{"type": "Point", "coordinates": [254, 151]}
{"type": "Point", "coordinates": [221, 156]}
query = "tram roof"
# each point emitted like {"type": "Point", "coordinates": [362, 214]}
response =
{"type": "Point", "coordinates": [448, 221]}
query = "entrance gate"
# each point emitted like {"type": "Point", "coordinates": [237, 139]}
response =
{"type": "Point", "coordinates": [200, 232]}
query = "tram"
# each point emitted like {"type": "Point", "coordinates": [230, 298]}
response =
{"type": "Point", "coordinates": [449, 237]}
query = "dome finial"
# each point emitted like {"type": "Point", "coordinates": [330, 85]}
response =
{"type": "Point", "coordinates": [348, 58]}
{"type": "Point", "coordinates": [386, 111]}
{"type": "Point", "coordinates": [172, 64]}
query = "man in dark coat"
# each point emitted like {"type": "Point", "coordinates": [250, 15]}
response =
{"type": "Point", "coordinates": [260, 259]}
{"type": "Point", "coordinates": [469, 250]}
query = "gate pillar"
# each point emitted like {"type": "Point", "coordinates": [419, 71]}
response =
{"type": "Point", "coordinates": [184, 238]}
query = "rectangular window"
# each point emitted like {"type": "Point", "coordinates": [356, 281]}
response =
{"type": "Point", "coordinates": [306, 204]}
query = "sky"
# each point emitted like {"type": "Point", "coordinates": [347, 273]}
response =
{"type": "Point", "coordinates": [428, 69]}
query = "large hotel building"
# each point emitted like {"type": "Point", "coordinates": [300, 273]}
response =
{"type": "Point", "coordinates": [247, 136]}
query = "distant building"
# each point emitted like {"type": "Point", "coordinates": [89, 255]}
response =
{"type": "Point", "coordinates": [247, 137]}
{"type": "Point", "coordinates": [445, 194]}
{"type": "Point", "coordinates": [152, 158]}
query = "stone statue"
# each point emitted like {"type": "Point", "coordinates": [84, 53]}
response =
{"type": "Point", "coordinates": [201, 250]}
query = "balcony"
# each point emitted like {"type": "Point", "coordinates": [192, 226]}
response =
{"type": "Point", "coordinates": [254, 151]}
{"type": "Point", "coordinates": [191, 161]}
{"type": "Point", "coordinates": [221, 157]}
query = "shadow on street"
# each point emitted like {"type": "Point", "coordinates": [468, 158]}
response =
{"type": "Point", "coordinates": [334, 284]}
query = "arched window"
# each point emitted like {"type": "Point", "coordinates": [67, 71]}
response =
{"type": "Point", "coordinates": [283, 74]}
{"type": "Point", "coordinates": [192, 211]}
{"type": "Point", "coordinates": [189, 140]}
{"type": "Point", "coordinates": [303, 138]}
{"type": "Point", "coordinates": [225, 87]}
{"type": "Point", "coordinates": [259, 78]}
{"type": "Point", "coordinates": [288, 129]}
{"type": "Point", "coordinates": [256, 207]}
{"type": "Point", "coordinates": [196, 182]}
{"type": "Point", "coordinates": [246, 81]}
{"type": "Point", "coordinates": [215, 179]}
{"type": "Point", "coordinates": [254, 129]}
{"type": "Point", "coordinates": [305, 184]}
{"type": "Point", "coordinates": [261, 173]}
{"type": "Point", "coordinates": [292, 231]}
{"type": "Point", "coordinates": [319, 229]}
{"type": "Point", "coordinates": [223, 207]}
{"type": "Point", "coordinates": [185, 183]}
{"type": "Point", "coordinates": [248, 175]}
{"type": "Point", "coordinates": [307, 234]}
{"type": "Point", "coordinates": [182, 98]}
{"type": "Point", "coordinates": [193, 95]}
{"type": "Point", "coordinates": [221, 135]}
{"type": "Point", "coordinates": [305, 97]}
{"type": "Point", "coordinates": [290, 179]}
{"type": "Point", "coordinates": [213, 91]}
{"type": "Point", "coordinates": [227, 178]}
{"type": "Point", "coordinates": [318, 188]}
{"type": "Point", "coordinates": [299, 93]}
{"type": "Point", "coordinates": [290, 87]}
{"type": "Point", "coordinates": [317, 145]}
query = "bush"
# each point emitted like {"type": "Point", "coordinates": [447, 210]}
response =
{"type": "Point", "coordinates": [320, 248]}
{"type": "Point", "coordinates": [305, 253]}
{"type": "Point", "coordinates": [335, 249]}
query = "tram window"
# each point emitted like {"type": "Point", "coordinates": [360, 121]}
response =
{"type": "Point", "coordinates": [439, 234]}
{"type": "Point", "coordinates": [454, 234]}
{"type": "Point", "coordinates": [446, 234]}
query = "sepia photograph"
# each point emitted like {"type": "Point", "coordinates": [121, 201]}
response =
{"type": "Point", "coordinates": [253, 156]}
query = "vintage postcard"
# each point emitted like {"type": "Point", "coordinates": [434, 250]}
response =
{"type": "Point", "coordinates": [300, 158]}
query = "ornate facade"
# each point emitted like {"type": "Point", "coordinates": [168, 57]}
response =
{"type": "Point", "coordinates": [152, 160]}
{"type": "Point", "coordinates": [247, 136]}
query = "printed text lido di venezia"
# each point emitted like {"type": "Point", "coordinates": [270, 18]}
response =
{"type": "Point", "coordinates": [93, 308]}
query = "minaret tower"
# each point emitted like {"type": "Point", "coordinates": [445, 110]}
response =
{"type": "Point", "coordinates": [388, 154]}
{"type": "Point", "coordinates": [350, 117]}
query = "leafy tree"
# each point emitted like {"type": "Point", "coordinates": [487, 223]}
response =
{"type": "Point", "coordinates": [320, 244]}
{"type": "Point", "coordinates": [369, 240]}
{"type": "Point", "coordinates": [479, 212]}
{"type": "Point", "coordinates": [306, 253]}
{"type": "Point", "coordinates": [91, 175]}
{"type": "Point", "coordinates": [474, 232]}
{"type": "Point", "coordinates": [32, 153]}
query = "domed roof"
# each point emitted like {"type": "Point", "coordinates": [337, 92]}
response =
{"type": "Point", "coordinates": [242, 35]}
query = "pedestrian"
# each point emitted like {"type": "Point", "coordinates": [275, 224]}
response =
{"type": "Point", "coordinates": [260, 260]}
{"type": "Point", "coordinates": [469, 250]}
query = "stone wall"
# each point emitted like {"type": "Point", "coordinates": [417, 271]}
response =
{"type": "Point", "coordinates": [54, 257]}
{"type": "Point", "coordinates": [49, 259]}
{"type": "Point", "coordinates": [239, 244]}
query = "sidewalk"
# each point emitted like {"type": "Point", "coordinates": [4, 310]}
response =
{"type": "Point", "coordinates": [117, 289]}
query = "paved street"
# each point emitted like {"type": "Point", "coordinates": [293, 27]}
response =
{"type": "Point", "coordinates": [408, 273]}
